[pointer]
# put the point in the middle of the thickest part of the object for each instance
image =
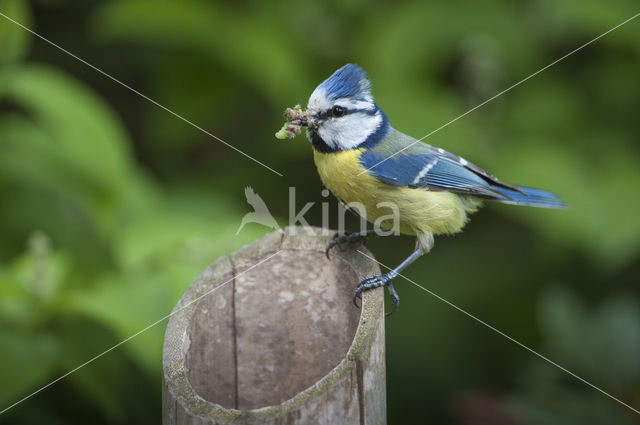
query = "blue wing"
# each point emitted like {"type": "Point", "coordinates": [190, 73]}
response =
{"type": "Point", "coordinates": [424, 166]}
{"type": "Point", "coordinates": [428, 170]}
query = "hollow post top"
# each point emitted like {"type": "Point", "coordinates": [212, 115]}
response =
{"type": "Point", "coordinates": [264, 332]}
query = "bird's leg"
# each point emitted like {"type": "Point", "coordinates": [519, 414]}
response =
{"type": "Point", "coordinates": [424, 244]}
{"type": "Point", "coordinates": [342, 239]}
{"type": "Point", "coordinates": [371, 282]}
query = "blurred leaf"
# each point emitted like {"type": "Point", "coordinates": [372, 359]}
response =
{"type": "Point", "coordinates": [37, 176]}
{"type": "Point", "coordinates": [159, 252]}
{"type": "Point", "coordinates": [30, 285]}
{"type": "Point", "coordinates": [593, 17]}
{"type": "Point", "coordinates": [235, 39]}
{"type": "Point", "coordinates": [617, 327]}
{"type": "Point", "coordinates": [127, 308]}
{"type": "Point", "coordinates": [28, 360]}
{"type": "Point", "coordinates": [14, 41]}
{"type": "Point", "coordinates": [565, 326]}
{"type": "Point", "coordinates": [582, 341]}
{"type": "Point", "coordinates": [593, 199]}
{"type": "Point", "coordinates": [182, 217]}
{"type": "Point", "coordinates": [30, 155]}
{"type": "Point", "coordinates": [83, 340]}
{"type": "Point", "coordinates": [83, 129]}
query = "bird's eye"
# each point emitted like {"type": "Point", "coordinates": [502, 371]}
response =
{"type": "Point", "coordinates": [338, 111]}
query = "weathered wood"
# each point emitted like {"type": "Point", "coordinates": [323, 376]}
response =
{"type": "Point", "coordinates": [270, 336]}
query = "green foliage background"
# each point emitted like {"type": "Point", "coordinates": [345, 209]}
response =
{"type": "Point", "coordinates": [109, 206]}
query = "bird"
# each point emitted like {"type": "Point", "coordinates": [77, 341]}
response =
{"type": "Point", "coordinates": [362, 159]}
{"type": "Point", "coordinates": [260, 213]}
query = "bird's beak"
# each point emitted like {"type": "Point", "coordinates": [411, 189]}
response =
{"type": "Point", "coordinates": [313, 120]}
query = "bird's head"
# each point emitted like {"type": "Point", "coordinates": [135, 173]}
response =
{"type": "Point", "coordinates": [342, 112]}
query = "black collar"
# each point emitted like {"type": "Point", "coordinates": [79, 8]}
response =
{"type": "Point", "coordinates": [319, 144]}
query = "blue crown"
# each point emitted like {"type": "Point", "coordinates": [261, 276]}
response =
{"type": "Point", "coordinates": [349, 81]}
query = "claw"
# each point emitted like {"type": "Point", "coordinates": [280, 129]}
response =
{"type": "Point", "coordinates": [341, 239]}
{"type": "Point", "coordinates": [395, 299]}
{"type": "Point", "coordinates": [356, 295]}
{"type": "Point", "coordinates": [334, 241]}
{"type": "Point", "coordinates": [375, 281]}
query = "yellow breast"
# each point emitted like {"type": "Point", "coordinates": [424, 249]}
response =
{"type": "Point", "coordinates": [419, 210]}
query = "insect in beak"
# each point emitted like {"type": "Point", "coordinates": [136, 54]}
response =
{"type": "Point", "coordinates": [296, 118]}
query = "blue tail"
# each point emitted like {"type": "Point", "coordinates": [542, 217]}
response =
{"type": "Point", "coordinates": [530, 197]}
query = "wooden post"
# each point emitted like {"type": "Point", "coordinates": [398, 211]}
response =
{"type": "Point", "coordinates": [279, 342]}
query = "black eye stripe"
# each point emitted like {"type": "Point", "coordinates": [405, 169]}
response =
{"type": "Point", "coordinates": [329, 113]}
{"type": "Point", "coordinates": [324, 115]}
{"type": "Point", "coordinates": [371, 111]}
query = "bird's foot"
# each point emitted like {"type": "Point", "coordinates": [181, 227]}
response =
{"type": "Point", "coordinates": [348, 238]}
{"type": "Point", "coordinates": [375, 281]}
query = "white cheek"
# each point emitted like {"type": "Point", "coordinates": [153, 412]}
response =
{"type": "Point", "coordinates": [349, 131]}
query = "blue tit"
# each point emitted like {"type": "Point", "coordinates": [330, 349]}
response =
{"type": "Point", "coordinates": [362, 159]}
